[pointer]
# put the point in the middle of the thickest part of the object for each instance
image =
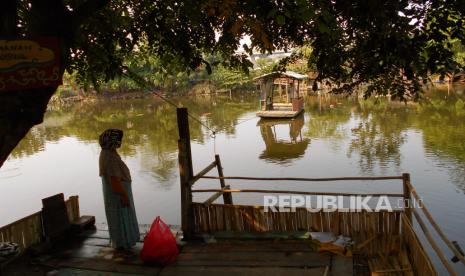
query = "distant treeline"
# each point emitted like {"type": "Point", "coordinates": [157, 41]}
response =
{"type": "Point", "coordinates": [215, 76]}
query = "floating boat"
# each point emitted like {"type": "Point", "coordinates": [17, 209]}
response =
{"type": "Point", "coordinates": [289, 103]}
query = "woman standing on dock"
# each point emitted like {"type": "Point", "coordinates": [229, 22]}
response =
{"type": "Point", "coordinates": [117, 192]}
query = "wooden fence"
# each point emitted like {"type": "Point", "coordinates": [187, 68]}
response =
{"type": "Point", "coordinates": [375, 234]}
{"type": "Point", "coordinates": [28, 231]}
{"type": "Point", "coordinates": [418, 257]}
{"type": "Point", "coordinates": [210, 218]}
{"type": "Point", "coordinates": [372, 231]}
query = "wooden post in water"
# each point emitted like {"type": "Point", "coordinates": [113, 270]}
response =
{"type": "Point", "coordinates": [186, 173]}
{"type": "Point", "coordinates": [407, 199]}
{"type": "Point", "coordinates": [227, 197]}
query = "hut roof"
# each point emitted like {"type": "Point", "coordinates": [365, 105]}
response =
{"type": "Point", "coordinates": [288, 74]}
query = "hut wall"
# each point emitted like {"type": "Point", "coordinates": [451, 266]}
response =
{"type": "Point", "coordinates": [28, 231]}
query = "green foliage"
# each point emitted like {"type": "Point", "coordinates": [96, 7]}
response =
{"type": "Point", "coordinates": [459, 54]}
{"type": "Point", "coordinates": [392, 45]}
{"type": "Point", "coordinates": [230, 78]}
{"type": "Point", "coordinates": [266, 65]}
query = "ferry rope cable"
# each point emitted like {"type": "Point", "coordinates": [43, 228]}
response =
{"type": "Point", "coordinates": [246, 120]}
{"type": "Point", "coordinates": [146, 85]}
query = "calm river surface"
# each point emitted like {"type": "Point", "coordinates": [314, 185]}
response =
{"type": "Point", "coordinates": [336, 137]}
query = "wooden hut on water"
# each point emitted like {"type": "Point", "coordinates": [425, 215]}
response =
{"type": "Point", "coordinates": [280, 94]}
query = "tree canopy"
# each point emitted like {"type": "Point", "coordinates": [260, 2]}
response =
{"type": "Point", "coordinates": [392, 45]}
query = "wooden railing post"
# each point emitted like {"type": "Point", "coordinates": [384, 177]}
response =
{"type": "Point", "coordinates": [186, 173]}
{"type": "Point", "coordinates": [407, 198]}
{"type": "Point", "coordinates": [72, 207]}
{"type": "Point", "coordinates": [227, 197]}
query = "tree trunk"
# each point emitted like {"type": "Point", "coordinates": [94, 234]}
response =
{"type": "Point", "coordinates": [19, 112]}
{"type": "Point", "coordinates": [8, 18]}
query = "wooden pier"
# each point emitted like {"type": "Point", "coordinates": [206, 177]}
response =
{"type": "Point", "coordinates": [386, 241]}
{"type": "Point", "coordinates": [231, 239]}
{"type": "Point", "coordinates": [89, 253]}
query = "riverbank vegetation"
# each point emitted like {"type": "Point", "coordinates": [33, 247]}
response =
{"type": "Point", "coordinates": [148, 74]}
{"type": "Point", "coordinates": [174, 81]}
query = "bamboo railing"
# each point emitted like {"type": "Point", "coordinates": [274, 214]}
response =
{"type": "Point", "coordinates": [377, 234]}
{"type": "Point", "coordinates": [25, 232]}
{"type": "Point", "coordinates": [28, 231]}
{"type": "Point", "coordinates": [417, 254]}
{"type": "Point", "coordinates": [372, 230]}
{"type": "Point", "coordinates": [210, 218]}
{"type": "Point", "coordinates": [425, 229]}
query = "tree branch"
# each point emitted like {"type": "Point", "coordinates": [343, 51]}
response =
{"type": "Point", "coordinates": [8, 18]}
{"type": "Point", "coordinates": [86, 10]}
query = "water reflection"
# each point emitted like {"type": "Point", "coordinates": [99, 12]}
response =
{"type": "Point", "coordinates": [328, 117]}
{"type": "Point", "coordinates": [372, 132]}
{"type": "Point", "coordinates": [442, 122]}
{"type": "Point", "coordinates": [285, 149]}
{"type": "Point", "coordinates": [149, 125]}
{"type": "Point", "coordinates": [378, 134]}
{"type": "Point", "coordinates": [337, 136]}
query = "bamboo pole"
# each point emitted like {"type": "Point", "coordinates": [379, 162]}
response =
{"type": "Point", "coordinates": [20, 220]}
{"type": "Point", "coordinates": [202, 173]}
{"type": "Point", "coordinates": [227, 197]}
{"type": "Point", "coordinates": [419, 259]}
{"type": "Point", "coordinates": [270, 106]}
{"type": "Point", "coordinates": [292, 192]}
{"type": "Point", "coordinates": [407, 199]}
{"type": "Point", "coordinates": [287, 91]}
{"type": "Point", "coordinates": [434, 244]}
{"type": "Point", "coordinates": [436, 226]}
{"type": "Point", "coordinates": [186, 173]}
{"type": "Point", "coordinates": [305, 179]}
{"type": "Point", "coordinates": [183, 128]}
{"type": "Point", "coordinates": [215, 196]}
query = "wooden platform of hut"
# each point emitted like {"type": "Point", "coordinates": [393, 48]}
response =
{"type": "Point", "coordinates": [278, 113]}
{"type": "Point", "coordinates": [90, 254]}
{"type": "Point", "coordinates": [232, 239]}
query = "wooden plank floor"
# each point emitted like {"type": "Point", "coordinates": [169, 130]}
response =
{"type": "Point", "coordinates": [92, 255]}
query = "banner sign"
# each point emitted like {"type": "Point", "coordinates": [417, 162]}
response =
{"type": "Point", "coordinates": [26, 64]}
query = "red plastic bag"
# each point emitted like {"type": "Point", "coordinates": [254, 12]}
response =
{"type": "Point", "coordinates": [159, 244]}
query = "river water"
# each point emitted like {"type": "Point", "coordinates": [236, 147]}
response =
{"type": "Point", "coordinates": [337, 136]}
